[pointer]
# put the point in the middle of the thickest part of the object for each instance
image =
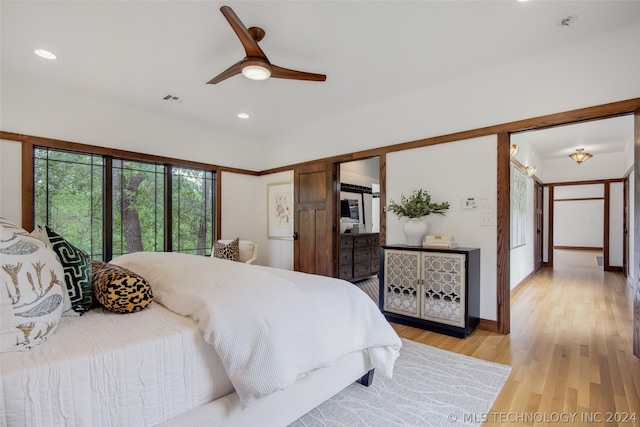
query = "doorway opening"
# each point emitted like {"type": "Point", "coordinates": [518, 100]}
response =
{"type": "Point", "coordinates": [358, 215]}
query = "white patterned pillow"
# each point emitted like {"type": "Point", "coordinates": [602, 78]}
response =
{"type": "Point", "coordinates": [13, 227]}
{"type": "Point", "coordinates": [32, 292]}
{"type": "Point", "coordinates": [24, 234]}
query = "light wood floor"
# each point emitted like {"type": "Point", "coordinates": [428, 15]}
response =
{"type": "Point", "coordinates": [569, 349]}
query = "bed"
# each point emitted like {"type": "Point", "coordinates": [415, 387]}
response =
{"type": "Point", "coordinates": [224, 343]}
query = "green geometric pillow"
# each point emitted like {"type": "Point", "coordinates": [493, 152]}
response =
{"type": "Point", "coordinates": [77, 272]}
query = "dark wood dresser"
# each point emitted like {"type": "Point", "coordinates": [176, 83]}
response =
{"type": "Point", "coordinates": [359, 256]}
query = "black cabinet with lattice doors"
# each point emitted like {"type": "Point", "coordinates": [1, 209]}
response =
{"type": "Point", "coordinates": [434, 289]}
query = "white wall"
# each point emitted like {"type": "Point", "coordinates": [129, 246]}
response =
{"type": "Point", "coordinates": [244, 215]}
{"type": "Point", "coordinates": [616, 225]}
{"type": "Point", "coordinates": [11, 181]}
{"type": "Point", "coordinates": [43, 111]}
{"type": "Point", "coordinates": [276, 253]}
{"type": "Point", "coordinates": [448, 176]}
{"type": "Point", "coordinates": [602, 166]}
{"type": "Point", "coordinates": [594, 72]}
{"type": "Point", "coordinates": [578, 223]}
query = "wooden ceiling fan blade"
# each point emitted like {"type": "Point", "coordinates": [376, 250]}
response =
{"type": "Point", "coordinates": [285, 73]}
{"type": "Point", "coordinates": [229, 72]}
{"type": "Point", "coordinates": [248, 42]}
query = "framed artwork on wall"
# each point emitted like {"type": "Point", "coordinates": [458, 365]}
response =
{"type": "Point", "coordinates": [518, 207]}
{"type": "Point", "coordinates": [280, 211]}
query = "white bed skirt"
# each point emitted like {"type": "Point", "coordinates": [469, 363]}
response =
{"type": "Point", "coordinates": [280, 408]}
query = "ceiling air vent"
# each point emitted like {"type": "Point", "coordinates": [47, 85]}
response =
{"type": "Point", "coordinates": [172, 98]}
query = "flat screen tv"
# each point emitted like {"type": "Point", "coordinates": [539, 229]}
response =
{"type": "Point", "coordinates": [349, 208]}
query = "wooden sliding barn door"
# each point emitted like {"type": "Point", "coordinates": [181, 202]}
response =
{"type": "Point", "coordinates": [538, 224]}
{"type": "Point", "coordinates": [314, 221]}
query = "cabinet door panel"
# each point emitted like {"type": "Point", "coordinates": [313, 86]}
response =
{"type": "Point", "coordinates": [443, 285]}
{"type": "Point", "coordinates": [401, 282]}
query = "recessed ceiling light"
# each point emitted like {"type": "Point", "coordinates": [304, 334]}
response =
{"type": "Point", "coordinates": [45, 54]}
{"type": "Point", "coordinates": [243, 115]}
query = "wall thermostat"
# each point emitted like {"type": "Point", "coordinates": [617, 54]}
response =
{"type": "Point", "coordinates": [470, 202]}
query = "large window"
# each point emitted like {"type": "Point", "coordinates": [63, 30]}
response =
{"type": "Point", "coordinates": [138, 207]}
{"type": "Point", "coordinates": [192, 223]}
{"type": "Point", "coordinates": [111, 206]}
{"type": "Point", "coordinates": [69, 190]}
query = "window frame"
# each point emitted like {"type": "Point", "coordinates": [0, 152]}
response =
{"type": "Point", "coordinates": [30, 143]}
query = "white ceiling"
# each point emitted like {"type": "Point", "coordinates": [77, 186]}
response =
{"type": "Point", "coordinates": [614, 135]}
{"type": "Point", "coordinates": [134, 53]}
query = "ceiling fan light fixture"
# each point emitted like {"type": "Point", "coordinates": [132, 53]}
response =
{"type": "Point", "coordinates": [45, 54]}
{"type": "Point", "coordinates": [579, 156]}
{"type": "Point", "coordinates": [256, 70]}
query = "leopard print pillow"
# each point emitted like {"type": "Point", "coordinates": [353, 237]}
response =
{"type": "Point", "coordinates": [118, 289]}
{"type": "Point", "coordinates": [230, 251]}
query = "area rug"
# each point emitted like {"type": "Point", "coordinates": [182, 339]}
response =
{"type": "Point", "coordinates": [430, 387]}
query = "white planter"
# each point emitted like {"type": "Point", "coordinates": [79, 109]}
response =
{"type": "Point", "coordinates": [414, 230]}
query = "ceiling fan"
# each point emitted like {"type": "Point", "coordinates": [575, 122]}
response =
{"type": "Point", "coordinates": [255, 65]}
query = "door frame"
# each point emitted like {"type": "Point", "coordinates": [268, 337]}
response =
{"type": "Point", "coordinates": [503, 273]}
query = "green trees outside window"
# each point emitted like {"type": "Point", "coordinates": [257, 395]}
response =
{"type": "Point", "coordinates": [108, 206]}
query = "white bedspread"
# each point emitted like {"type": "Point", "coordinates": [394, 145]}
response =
{"type": "Point", "coordinates": [269, 326]}
{"type": "Point", "coordinates": [105, 369]}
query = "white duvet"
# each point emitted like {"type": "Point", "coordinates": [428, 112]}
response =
{"type": "Point", "coordinates": [269, 326]}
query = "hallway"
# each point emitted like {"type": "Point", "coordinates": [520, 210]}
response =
{"type": "Point", "coordinates": [569, 347]}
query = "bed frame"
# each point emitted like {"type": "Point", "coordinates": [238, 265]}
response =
{"type": "Point", "coordinates": [285, 406]}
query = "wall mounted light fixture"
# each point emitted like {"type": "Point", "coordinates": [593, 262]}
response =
{"type": "Point", "coordinates": [513, 151]}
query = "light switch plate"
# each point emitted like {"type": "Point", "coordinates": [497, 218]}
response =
{"type": "Point", "coordinates": [487, 220]}
{"type": "Point", "coordinates": [486, 206]}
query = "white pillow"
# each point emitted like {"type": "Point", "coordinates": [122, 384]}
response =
{"type": "Point", "coordinates": [246, 250]}
{"type": "Point", "coordinates": [31, 300]}
{"type": "Point", "coordinates": [41, 234]}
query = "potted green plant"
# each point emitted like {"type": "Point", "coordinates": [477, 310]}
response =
{"type": "Point", "coordinates": [415, 207]}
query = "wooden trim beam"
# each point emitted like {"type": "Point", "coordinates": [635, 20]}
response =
{"type": "Point", "coordinates": [590, 182]}
{"type": "Point", "coordinates": [579, 248]}
{"type": "Point", "coordinates": [597, 112]}
{"type": "Point", "coordinates": [129, 155]}
{"type": "Point", "coordinates": [550, 227]}
{"type": "Point", "coordinates": [606, 232]}
{"type": "Point", "coordinates": [28, 204]}
{"type": "Point", "coordinates": [579, 199]}
{"type": "Point", "coordinates": [383, 199]}
{"type": "Point", "coordinates": [503, 280]}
